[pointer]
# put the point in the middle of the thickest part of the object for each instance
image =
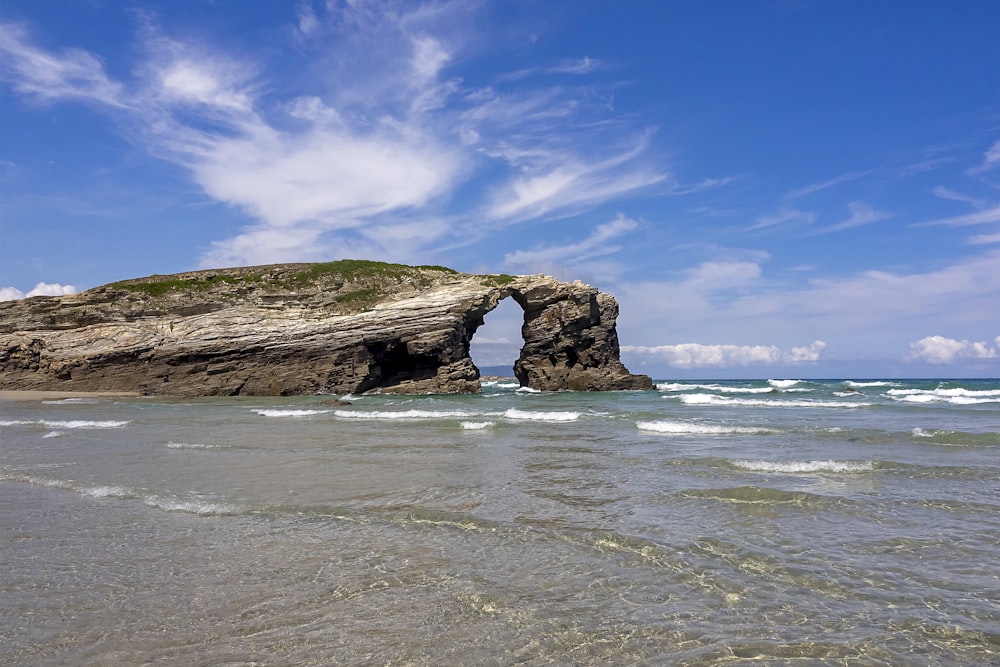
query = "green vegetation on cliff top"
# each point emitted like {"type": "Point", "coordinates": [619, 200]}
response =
{"type": "Point", "coordinates": [283, 277]}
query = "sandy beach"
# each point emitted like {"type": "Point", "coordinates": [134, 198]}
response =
{"type": "Point", "coordinates": [31, 395]}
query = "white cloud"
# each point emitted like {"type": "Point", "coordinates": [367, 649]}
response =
{"type": "Point", "coordinates": [696, 355]}
{"type": "Point", "coordinates": [868, 312]}
{"type": "Point", "coordinates": [308, 23]}
{"type": "Point", "coordinates": [829, 183]}
{"type": "Point", "coordinates": [953, 195]}
{"type": "Point", "coordinates": [326, 175]}
{"type": "Point", "coordinates": [71, 74]}
{"type": "Point", "coordinates": [41, 289]}
{"type": "Point", "coordinates": [984, 239]}
{"type": "Point", "coordinates": [595, 245]}
{"type": "Point", "coordinates": [991, 159]}
{"type": "Point", "coordinates": [10, 294]}
{"type": "Point", "coordinates": [977, 218]}
{"type": "Point", "coordinates": [567, 182]}
{"type": "Point", "coordinates": [941, 350]}
{"type": "Point", "coordinates": [784, 215]}
{"type": "Point", "coordinates": [861, 214]}
{"type": "Point", "coordinates": [378, 133]}
{"type": "Point", "coordinates": [808, 353]}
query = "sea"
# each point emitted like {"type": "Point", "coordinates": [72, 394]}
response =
{"type": "Point", "coordinates": [770, 522]}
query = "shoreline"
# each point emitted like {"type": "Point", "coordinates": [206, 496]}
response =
{"type": "Point", "coordinates": [17, 395]}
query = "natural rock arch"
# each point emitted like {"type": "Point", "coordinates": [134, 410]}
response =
{"type": "Point", "coordinates": [302, 329]}
{"type": "Point", "coordinates": [569, 336]}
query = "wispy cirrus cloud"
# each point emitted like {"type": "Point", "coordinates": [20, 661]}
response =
{"type": "Point", "coordinates": [948, 193]}
{"type": "Point", "coordinates": [987, 216]}
{"type": "Point", "coordinates": [827, 184]}
{"type": "Point", "coordinates": [991, 159]}
{"type": "Point", "coordinates": [42, 75]}
{"type": "Point", "coordinates": [562, 181]}
{"type": "Point", "coordinates": [548, 259]}
{"type": "Point", "coordinates": [375, 144]}
{"type": "Point", "coordinates": [861, 214]}
{"type": "Point", "coordinates": [984, 239]}
{"type": "Point", "coordinates": [782, 216]}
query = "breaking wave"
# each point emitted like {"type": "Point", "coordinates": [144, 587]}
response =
{"type": "Point", "coordinates": [955, 396]}
{"type": "Point", "coordinates": [678, 386]}
{"type": "Point", "coordinates": [500, 384]}
{"type": "Point", "coordinates": [713, 399]}
{"type": "Point", "coordinates": [476, 426]}
{"type": "Point", "coordinates": [805, 466]}
{"type": "Point", "coordinates": [689, 428]}
{"type": "Point", "coordinates": [783, 384]}
{"type": "Point", "coordinates": [189, 504]}
{"type": "Point", "coordinates": [288, 413]}
{"type": "Point", "coordinates": [191, 445]}
{"type": "Point", "coordinates": [956, 438]}
{"type": "Point", "coordinates": [529, 415]}
{"type": "Point", "coordinates": [402, 414]}
{"type": "Point", "coordinates": [74, 423]}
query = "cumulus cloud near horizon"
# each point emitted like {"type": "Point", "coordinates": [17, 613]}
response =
{"type": "Point", "coordinates": [697, 355]}
{"type": "Point", "coordinates": [41, 289]}
{"type": "Point", "coordinates": [942, 350]}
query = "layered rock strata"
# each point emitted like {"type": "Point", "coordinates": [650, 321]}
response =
{"type": "Point", "coordinates": [341, 327]}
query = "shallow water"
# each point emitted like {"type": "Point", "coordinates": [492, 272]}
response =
{"type": "Point", "coordinates": [726, 522]}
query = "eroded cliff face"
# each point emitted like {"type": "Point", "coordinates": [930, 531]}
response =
{"type": "Point", "coordinates": [342, 327]}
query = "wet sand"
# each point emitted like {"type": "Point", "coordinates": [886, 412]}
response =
{"type": "Point", "coordinates": [31, 395]}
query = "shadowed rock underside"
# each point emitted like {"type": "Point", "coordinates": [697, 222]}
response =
{"type": "Point", "coordinates": [338, 328]}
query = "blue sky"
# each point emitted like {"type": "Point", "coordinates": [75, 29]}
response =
{"type": "Point", "coordinates": [794, 188]}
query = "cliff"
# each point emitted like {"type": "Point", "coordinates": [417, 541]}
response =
{"type": "Point", "coordinates": [339, 327]}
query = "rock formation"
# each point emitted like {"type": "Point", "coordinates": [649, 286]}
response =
{"type": "Point", "coordinates": [340, 327]}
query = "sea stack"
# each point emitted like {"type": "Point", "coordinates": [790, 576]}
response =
{"type": "Point", "coordinates": [339, 327]}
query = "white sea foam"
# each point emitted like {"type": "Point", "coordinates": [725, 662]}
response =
{"type": "Point", "coordinates": [198, 506]}
{"type": "Point", "coordinates": [190, 445]}
{"type": "Point", "coordinates": [402, 414]}
{"type": "Point", "coordinates": [53, 434]}
{"type": "Point", "coordinates": [677, 386]}
{"type": "Point", "coordinates": [476, 426]}
{"type": "Point", "coordinates": [82, 423]}
{"type": "Point", "coordinates": [75, 423]}
{"type": "Point", "coordinates": [879, 383]}
{"type": "Point", "coordinates": [531, 415]}
{"type": "Point", "coordinates": [783, 384]}
{"type": "Point", "coordinates": [956, 396]}
{"type": "Point", "coordinates": [104, 491]}
{"type": "Point", "coordinates": [805, 466]}
{"type": "Point", "coordinates": [712, 399]}
{"type": "Point", "coordinates": [289, 413]}
{"type": "Point", "coordinates": [690, 428]}
{"type": "Point", "coordinates": [918, 432]}
{"type": "Point", "coordinates": [528, 390]}
{"type": "Point", "coordinates": [70, 401]}
{"type": "Point", "coordinates": [500, 384]}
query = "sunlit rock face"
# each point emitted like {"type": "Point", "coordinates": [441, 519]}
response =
{"type": "Point", "coordinates": [341, 327]}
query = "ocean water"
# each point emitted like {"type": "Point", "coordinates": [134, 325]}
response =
{"type": "Point", "coordinates": [771, 522]}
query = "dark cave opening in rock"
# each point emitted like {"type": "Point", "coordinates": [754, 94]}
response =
{"type": "Point", "coordinates": [497, 343]}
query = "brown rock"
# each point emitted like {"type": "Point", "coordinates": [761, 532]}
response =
{"type": "Point", "coordinates": [342, 327]}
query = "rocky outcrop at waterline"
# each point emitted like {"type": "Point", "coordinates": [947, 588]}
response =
{"type": "Point", "coordinates": [339, 327]}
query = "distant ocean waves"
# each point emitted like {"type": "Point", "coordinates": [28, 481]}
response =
{"type": "Point", "coordinates": [512, 415]}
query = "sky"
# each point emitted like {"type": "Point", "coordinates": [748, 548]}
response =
{"type": "Point", "coordinates": [782, 188]}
